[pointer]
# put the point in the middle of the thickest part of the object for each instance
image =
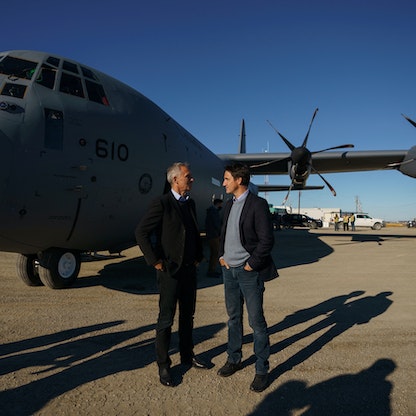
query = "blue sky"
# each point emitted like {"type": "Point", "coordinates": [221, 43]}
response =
{"type": "Point", "coordinates": [211, 63]}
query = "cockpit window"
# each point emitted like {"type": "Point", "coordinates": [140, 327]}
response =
{"type": "Point", "coordinates": [88, 73]}
{"type": "Point", "coordinates": [96, 92]}
{"type": "Point", "coordinates": [53, 61]}
{"type": "Point", "coordinates": [71, 80]}
{"type": "Point", "coordinates": [70, 84]}
{"type": "Point", "coordinates": [47, 76]}
{"type": "Point", "coordinates": [19, 68]}
{"type": "Point", "coordinates": [69, 66]}
{"type": "Point", "coordinates": [14, 90]}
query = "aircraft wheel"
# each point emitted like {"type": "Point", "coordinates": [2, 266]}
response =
{"type": "Point", "coordinates": [59, 268]}
{"type": "Point", "coordinates": [27, 267]}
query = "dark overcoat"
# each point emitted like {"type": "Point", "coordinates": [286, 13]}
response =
{"type": "Point", "coordinates": [161, 233]}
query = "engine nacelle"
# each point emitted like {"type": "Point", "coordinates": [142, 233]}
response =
{"type": "Point", "coordinates": [409, 168]}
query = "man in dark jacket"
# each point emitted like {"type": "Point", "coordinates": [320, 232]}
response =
{"type": "Point", "coordinates": [175, 255]}
{"type": "Point", "coordinates": [245, 256]}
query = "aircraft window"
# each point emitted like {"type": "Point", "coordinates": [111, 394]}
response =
{"type": "Point", "coordinates": [96, 92]}
{"type": "Point", "coordinates": [69, 66]}
{"type": "Point", "coordinates": [71, 84]}
{"type": "Point", "coordinates": [53, 61]}
{"type": "Point", "coordinates": [88, 73]}
{"type": "Point", "coordinates": [19, 68]}
{"type": "Point", "coordinates": [14, 90]}
{"type": "Point", "coordinates": [47, 76]}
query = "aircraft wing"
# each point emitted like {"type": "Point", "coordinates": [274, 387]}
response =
{"type": "Point", "coordinates": [274, 188]}
{"type": "Point", "coordinates": [330, 162]}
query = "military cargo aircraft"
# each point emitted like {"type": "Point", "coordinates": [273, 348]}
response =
{"type": "Point", "coordinates": [83, 154]}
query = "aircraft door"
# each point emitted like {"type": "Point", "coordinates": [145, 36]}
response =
{"type": "Point", "coordinates": [58, 178]}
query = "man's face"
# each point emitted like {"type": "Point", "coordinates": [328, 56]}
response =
{"type": "Point", "coordinates": [230, 184]}
{"type": "Point", "coordinates": [183, 182]}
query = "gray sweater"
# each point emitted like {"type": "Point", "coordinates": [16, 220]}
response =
{"type": "Point", "coordinates": [234, 253]}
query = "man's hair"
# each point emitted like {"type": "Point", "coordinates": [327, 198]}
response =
{"type": "Point", "coordinates": [175, 170]}
{"type": "Point", "coordinates": [239, 170]}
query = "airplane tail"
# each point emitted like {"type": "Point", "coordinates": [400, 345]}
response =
{"type": "Point", "coordinates": [242, 148]}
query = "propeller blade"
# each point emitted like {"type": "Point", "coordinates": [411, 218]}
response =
{"type": "Point", "coordinates": [287, 195]}
{"type": "Point", "coordinates": [342, 146]}
{"type": "Point", "coordinates": [309, 129]}
{"type": "Point", "coordinates": [288, 144]}
{"type": "Point", "coordinates": [409, 120]}
{"type": "Point", "coordinates": [270, 162]}
{"type": "Point", "coordinates": [326, 182]}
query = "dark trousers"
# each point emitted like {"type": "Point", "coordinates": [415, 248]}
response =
{"type": "Point", "coordinates": [179, 289]}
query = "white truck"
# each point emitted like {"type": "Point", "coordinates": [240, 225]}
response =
{"type": "Point", "coordinates": [364, 220]}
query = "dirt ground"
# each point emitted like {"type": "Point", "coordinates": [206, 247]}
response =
{"type": "Point", "coordinates": [342, 329]}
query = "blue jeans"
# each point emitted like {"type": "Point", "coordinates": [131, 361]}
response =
{"type": "Point", "coordinates": [242, 286]}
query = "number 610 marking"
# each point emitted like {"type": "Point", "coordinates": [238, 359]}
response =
{"type": "Point", "coordinates": [112, 150]}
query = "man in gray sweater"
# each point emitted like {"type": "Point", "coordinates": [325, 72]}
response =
{"type": "Point", "coordinates": [245, 245]}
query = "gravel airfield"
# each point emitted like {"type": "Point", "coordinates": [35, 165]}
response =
{"type": "Point", "coordinates": [342, 328]}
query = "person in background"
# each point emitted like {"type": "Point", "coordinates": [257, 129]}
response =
{"type": "Point", "coordinates": [175, 253]}
{"type": "Point", "coordinates": [352, 222]}
{"type": "Point", "coordinates": [336, 222]}
{"type": "Point", "coordinates": [245, 256]}
{"type": "Point", "coordinates": [345, 221]}
{"type": "Point", "coordinates": [213, 230]}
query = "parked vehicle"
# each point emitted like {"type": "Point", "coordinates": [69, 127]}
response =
{"type": "Point", "coordinates": [411, 224]}
{"type": "Point", "coordinates": [364, 220]}
{"type": "Point", "coordinates": [300, 220]}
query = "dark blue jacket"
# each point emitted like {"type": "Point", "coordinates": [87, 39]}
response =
{"type": "Point", "coordinates": [256, 234]}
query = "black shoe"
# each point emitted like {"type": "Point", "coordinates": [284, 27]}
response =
{"type": "Point", "coordinates": [259, 383]}
{"type": "Point", "coordinates": [228, 369]}
{"type": "Point", "coordinates": [165, 378]}
{"type": "Point", "coordinates": [196, 363]}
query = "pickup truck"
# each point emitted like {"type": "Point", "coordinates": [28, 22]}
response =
{"type": "Point", "coordinates": [364, 220]}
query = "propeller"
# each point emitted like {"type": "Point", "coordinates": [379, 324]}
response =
{"type": "Point", "coordinates": [409, 120]}
{"type": "Point", "coordinates": [399, 164]}
{"type": "Point", "coordinates": [301, 160]}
